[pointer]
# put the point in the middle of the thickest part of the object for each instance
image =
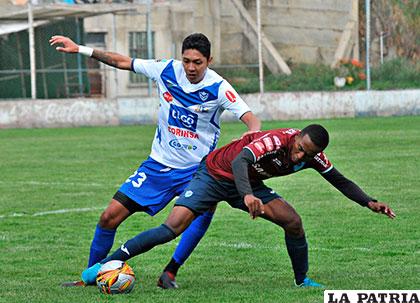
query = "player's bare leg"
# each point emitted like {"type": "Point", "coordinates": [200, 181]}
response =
{"type": "Point", "coordinates": [113, 215]}
{"type": "Point", "coordinates": [106, 229]}
{"type": "Point", "coordinates": [179, 219]}
{"type": "Point", "coordinates": [195, 231]}
{"type": "Point", "coordinates": [110, 219]}
{"type": "Point", "coordinates": [283, 214]}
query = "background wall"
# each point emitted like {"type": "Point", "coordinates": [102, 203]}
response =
{"type": "Point", "coordinates": [305, 31]}
{"type": "Point", "coordinates": [270, 106]}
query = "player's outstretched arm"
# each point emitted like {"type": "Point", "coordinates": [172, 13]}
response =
{"type": "Point", "coordinates": [382, 208]}
{"type": "Point", "coordinates": [66, 45]}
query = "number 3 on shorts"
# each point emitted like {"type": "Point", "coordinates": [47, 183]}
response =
{"type": "Point", "coordinates": [137, 183]}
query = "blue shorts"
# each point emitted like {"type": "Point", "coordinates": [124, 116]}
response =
{"type": "Point", "coordinates": [154, 185]}
{"type": "Point", "coordinates": [204, 192]}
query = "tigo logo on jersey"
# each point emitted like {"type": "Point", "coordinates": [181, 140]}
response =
{"type": "Point", "coordinates": [182, 118]}
{"type": "Point", "coordinates": [178, 144]}
{"type": "Point", "coordinates": [168, 97]}
{"type": "Point", "coordinates": [231, 96]}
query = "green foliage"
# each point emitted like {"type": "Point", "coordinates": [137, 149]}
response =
{"type": "Point", "coordinates": [410, 9]}
{"type": "Point", "coordinates": [398, 71]}
{"type": "Point", "coordinates": [393, 74]}
{"type": "Point", "coordinates": [239, 260]}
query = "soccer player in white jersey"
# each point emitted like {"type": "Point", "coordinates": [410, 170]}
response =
{"type": "Point", "coordinates": [192, 98]}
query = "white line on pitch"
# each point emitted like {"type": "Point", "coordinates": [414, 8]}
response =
{"type": "Point", "coordinates": [39, 183]}
{"type": "Point", "coordinates": [244, 245]}
{"type": "Point", "coordinates": [53, 212]}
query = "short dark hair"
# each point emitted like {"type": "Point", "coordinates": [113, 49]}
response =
{"type": "Point", "coordinates": [199, 42]}
{"type": "Point", "coordinates": [318, 134]}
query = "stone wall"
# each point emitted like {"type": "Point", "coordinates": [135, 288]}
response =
{"type": "Point", "coordinates": [303, 31]}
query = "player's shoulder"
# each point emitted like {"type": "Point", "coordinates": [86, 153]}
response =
{"type": "Point", "coordinates": [282, 132]}
{"type": "Point", "coordinates": [321, 163]}
{"type": "Point", "coordinates": [213, 77]}
{"type": "Point", "coordinates": [282, 137]}
{"type": "Point", "coordinates": [152, 63]}
{"type": "Point", "coordinates": [165, 62]}
{"type": "Point", "coordinates": [321, 158]}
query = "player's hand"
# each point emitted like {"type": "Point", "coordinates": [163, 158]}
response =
{"type": "Point", "coordinates": [66, 45]}
{"type": "Point", "coordinates": [255, 205]}
{"type": "Point", "coordinates": [382, 208]}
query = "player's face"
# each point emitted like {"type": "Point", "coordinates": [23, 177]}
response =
{"type": "Point", "coordinates": [195, 65]}
{"type": "Point", "coordinates": [303, 150]}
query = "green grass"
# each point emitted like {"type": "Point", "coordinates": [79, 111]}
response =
{"type": "Point", "coordinates": [239, 260]}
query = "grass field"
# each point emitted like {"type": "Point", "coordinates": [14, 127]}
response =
{"type": "Point", "coordinates": [54, 184]}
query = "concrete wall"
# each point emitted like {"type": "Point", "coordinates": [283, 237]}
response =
{"type": "Point", "coordinates": [301, 30]}
{"type": "Point", "coordinates": [270, 106]}
{"type": "Point", "coordinates": [305, 31]}
{"type": "Point", "coordinates": [321, 105]}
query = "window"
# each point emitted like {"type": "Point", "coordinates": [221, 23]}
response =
{"type": "Point", "coordinates": [95, 70]}
{"type": "Point", "coordinates": [95, 38]}
{"type": "Point", "coordinates": [138, 49]}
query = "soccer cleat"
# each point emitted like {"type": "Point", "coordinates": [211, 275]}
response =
{"type": "Point", "coordinates": [89, 274]}
{"type": "Point", "coordinates": [167, 280]}
{"type": "Point", "coordinates": [309, 283]}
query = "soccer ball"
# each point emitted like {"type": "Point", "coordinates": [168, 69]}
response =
{"type": "Point", "coordinates": [115, 277]}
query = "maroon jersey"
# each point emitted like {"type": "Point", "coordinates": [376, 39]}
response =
{"type": "Point", "coordinates": [271, 150]}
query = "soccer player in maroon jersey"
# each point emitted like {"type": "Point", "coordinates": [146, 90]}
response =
{"type": "Point", "coordinates": [235, 173]}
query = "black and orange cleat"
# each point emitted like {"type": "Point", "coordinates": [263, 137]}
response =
{"type": "Point", "coordinates": [167, 280]}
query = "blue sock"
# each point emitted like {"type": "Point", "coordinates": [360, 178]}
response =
{"type": "Point", "coordinates": [101, 244]}
{"type": "Point", "coordinates": [298, 253]}
{"type": "Point", "coordinates": [191, 236]}
{"type": "Point", "coordinates": [142, 243]}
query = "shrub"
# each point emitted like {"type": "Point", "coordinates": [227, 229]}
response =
{"type": "Point", "coordinates": [394, 74]}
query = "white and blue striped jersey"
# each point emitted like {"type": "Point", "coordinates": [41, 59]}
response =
{"type": "Point", "coordinates": [189, 114]}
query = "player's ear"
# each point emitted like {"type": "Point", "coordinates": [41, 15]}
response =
{"type": "Point", "coordinates": [210, 61]}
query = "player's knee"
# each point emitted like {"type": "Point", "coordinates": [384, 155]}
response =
{"type": "Point", "coordinates": [177, 226]}
{"type": "Point", "coordinates": [179, 219]}
{"type": "Point", "coordinates": [108, 220]}
{"type": "Point", "coordinates": [295, 227]}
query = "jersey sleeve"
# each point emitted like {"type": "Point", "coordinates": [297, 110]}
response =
{"type": "Point", "coordinates": [321, 163]}
{"type": "Point", "coordinates": [231, 101]}
{"type": "Point", "coordinates": [150, 68]}
{"type": "Point", "coordinates": [265, 145]}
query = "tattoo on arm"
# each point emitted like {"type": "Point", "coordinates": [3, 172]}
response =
{"type": "Point", "coordinates": [105, 57]}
